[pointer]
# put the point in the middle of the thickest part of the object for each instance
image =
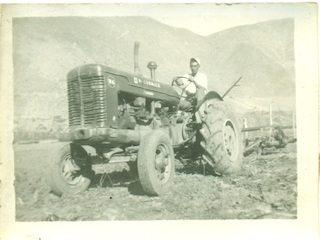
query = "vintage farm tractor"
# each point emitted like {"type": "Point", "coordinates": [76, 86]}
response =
{"type": "Point", "coordinates": [130, 118]}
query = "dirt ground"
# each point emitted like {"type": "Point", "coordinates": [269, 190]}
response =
{"type": "Point", "coordinates": [265, 188]}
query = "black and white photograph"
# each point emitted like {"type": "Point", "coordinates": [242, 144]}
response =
{"type": "Point", "coordinates": [155, 112]}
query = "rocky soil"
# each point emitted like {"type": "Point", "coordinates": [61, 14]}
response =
{"type": "Point", "coordinates": [266, 188]}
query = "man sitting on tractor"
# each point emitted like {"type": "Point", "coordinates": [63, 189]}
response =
{"type": "Point", "coordinates": [193, 84]}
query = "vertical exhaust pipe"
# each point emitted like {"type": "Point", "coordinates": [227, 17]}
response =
{"type": "Point", "coordinates": [136, 58]}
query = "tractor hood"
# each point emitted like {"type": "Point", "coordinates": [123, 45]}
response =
{"type": "Point", "coordinates": [127, 82]}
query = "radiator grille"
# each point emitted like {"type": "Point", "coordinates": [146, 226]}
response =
{"type": "Point", "coordinates": [87, 101]}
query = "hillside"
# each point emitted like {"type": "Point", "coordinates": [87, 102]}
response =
{"type": "Point", "coordinates": [45, 49]}
{"type": "Point", "coordinates": [262, 53]}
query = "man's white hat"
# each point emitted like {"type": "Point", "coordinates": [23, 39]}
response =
{"type": "Point", "coordinates": [195, 59]}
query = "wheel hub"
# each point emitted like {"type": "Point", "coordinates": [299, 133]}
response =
{"type": "Point", "coordinates": [70, 172]}
{"type": "Point", "coordinates": [230, 140]}
{"type": "Point", "coordinates": [162, 163]}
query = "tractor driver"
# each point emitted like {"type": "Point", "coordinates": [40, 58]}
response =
{"type": "Point", "coordinates": [194, 91]}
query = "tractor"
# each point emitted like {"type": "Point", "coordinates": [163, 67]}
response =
{"type": "Point", "coordinates": [126, 117]}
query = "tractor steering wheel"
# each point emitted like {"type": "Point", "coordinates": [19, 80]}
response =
{"type": "Point", "coordinates": [182, 88]}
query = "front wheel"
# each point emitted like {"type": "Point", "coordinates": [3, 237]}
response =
{"type": "Point", "coordinates": [65, 176]}
{"type": "Point", "coordinates": [156, 163]}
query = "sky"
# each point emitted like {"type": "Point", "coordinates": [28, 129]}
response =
{"type": "Point", "coordinates": [205, 19]}
{"type": "Point", "coordinates": [200, 18]}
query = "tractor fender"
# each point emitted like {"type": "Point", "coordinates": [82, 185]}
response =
{"type": "Point", "coordinates": [208, 96]}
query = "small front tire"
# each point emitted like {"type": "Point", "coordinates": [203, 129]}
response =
{"type": "Point", "coordinates": [156, 163]}
{"type": "Point", "coordinates": [65, 176]}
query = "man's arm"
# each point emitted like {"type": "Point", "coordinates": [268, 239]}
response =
{"type": "Point", "coordinates": [199, 85]}
{"type": "Point", "coordinates": [191, 79]}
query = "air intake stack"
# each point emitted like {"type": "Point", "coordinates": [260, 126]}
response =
{"type": "Point", "coordinates": [152, 66]}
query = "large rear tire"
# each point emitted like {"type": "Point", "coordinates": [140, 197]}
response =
{"type": "Point", "coordinates": [222, 142]}
{"type": "Point", "coordinates": [156, 163]}
{"type": "Point", "coordinates": [65, 176]}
